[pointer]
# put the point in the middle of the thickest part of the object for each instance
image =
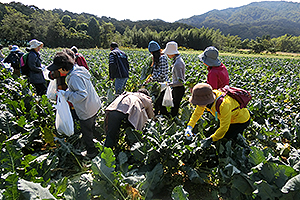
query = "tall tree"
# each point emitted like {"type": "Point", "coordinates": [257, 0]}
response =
{"type": "Point", "coordinates": [94, 31]}
{"type": "Point", "coordinates": [15, 26]}
{"type": "Point", "coordinates": [66, 19]}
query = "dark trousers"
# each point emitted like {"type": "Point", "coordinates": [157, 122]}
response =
{"type": "Point", "coordinates": [158, 107]}
{"type": "Point", "coordinates": [113, 122]}
{"type": "Point", "coordinates": [235, 129]}
{"type": "Point", "coordinates": [88, 131]}
{"type": "Point", "coordinates": [40, 88]}
{"type": "Point", "coordinates": [177, 94]}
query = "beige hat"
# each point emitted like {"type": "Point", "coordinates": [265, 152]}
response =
{"type": "Point", "coordinates": [34, 44]}
{"type": "Point", "coordinates": [202, 94]}
{"type": "Point", "coordinates": [171, 48]}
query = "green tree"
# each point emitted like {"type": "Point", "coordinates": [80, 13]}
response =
{"type": "Point", "coordinates": [66, 19]}
{"type": "Point", "coordinates": [82, 27]}
{"type": "Point", "coordinates": [94, 31]}
{"type": "Point", "coordinates": [15, 26]}
{"type": "Point", "coordinates": [39, 24]}
{"type": "Point", "coordinates": [107, 34]}
{"type": "Point", "coordinates": [73, 23]}
{"type": "Point", "coordinates": [56, 34]}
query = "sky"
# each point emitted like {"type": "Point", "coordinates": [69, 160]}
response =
{"type": "Point", "coordinates": [134, 10]}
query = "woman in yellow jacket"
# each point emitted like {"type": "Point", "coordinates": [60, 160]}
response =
{"type": "Point", "coordinates": [233, 120]}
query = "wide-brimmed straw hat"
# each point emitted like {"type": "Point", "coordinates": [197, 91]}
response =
{"type": "Point", "coordinates": [202, 94]}
{"type": "Point", "coordinates": [34, 44]}
{"type": "Point", "coordinates": [171, 48]}
{"type": "Point", "coordinates": [210, 57]}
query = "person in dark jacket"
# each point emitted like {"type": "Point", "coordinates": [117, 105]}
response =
{"type": "Point", "coordinates": [118, 67]}
{"type": "Point", "coordinates": [14, 59]}
{"type": "Point", "coordinates": [36, 76]}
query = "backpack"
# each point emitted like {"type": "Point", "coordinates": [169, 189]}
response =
{"type": "Point", "coordinates": [24, 65]}
{"type": "Point", "coordinates": [240, 95]}
{"type": "Point", "coordinates": [15, 60]}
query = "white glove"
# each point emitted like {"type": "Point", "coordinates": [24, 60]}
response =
{"type": "Point", "coordinates": [188, 133]}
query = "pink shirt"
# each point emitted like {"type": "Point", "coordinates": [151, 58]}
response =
{"type": "Point", "coordinates": [217, 77]}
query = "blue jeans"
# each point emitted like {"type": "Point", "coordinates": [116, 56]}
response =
{"type": "Point", "coordinates": [120, 85]}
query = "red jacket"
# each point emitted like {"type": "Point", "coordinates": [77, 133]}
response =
{"type": "Point", "coordinates": [80, 60]}
{"type": "Point", "coordinates": [217, 77]}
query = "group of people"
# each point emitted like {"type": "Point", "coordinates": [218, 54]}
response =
{"type": "Point", "coordinates": [134, 108]}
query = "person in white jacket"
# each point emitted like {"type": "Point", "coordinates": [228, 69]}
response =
{"type": "Point", "coordinates": [82, 94]}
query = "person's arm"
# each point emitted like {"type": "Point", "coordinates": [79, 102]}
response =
{"type": "Point", "coordinates": [77, 91]}
{"type": "Point", "coordinates": [112, 65]}
{"type": "Point", "coordinates": [7, 59]}
{"type": "Point", "coordinates": [149, 108]}
{"type": "Point", "coordinates": [179, 75]}
{"type": "Point", "coordinates": [198, 112]}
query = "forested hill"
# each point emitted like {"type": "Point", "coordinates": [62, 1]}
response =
{"type": "Point", "coordinates": [274, 18]}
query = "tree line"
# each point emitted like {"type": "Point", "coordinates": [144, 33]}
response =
{"type": "Point", "coordinates": [20, 23]}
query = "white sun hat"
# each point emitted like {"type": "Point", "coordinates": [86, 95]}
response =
{"type": "Point", "coordinates": [34, 44]}
{"type": "Point", "coordinates": [171, 48]}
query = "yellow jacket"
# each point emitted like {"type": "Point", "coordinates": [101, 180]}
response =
{"type": "Point", "coordinates": [226, 115]}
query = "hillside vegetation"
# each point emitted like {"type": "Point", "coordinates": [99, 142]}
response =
{"type": "Point", "coordinates": [274, 18]}
{"type": "Point", "coordinates": [57, 28]}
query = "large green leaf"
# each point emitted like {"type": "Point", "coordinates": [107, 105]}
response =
{"type": "Point", "coordinates": [152, 180]}
{"type": "Point", "coordinates": [266, 191]}
{"type": "Point", "coordinates": [108, 156]}
{"type": "Point", "coordinates": [256, 156]}
{"type": "Point", "coordinates": [179, 193]}
{"type": "Point", "coordinates": [32, 190]}
{"type": "Point", "coordinates": [292, 185]}
{"type": "Point", "coordinates": [243, 184]}
{"type": "Point", "coordinates": [79, 187]}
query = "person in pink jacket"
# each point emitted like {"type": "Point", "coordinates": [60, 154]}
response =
{"type": "Point", "coordinates": [217, 76]}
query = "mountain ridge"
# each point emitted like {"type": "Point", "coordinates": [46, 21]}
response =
{"type": "Point", "coordinates": [272, 18]}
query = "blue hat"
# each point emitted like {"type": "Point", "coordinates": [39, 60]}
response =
{"type": "Point", "coordinates": [15, 48]}
{"type": "Point", "coordinates": [210, 57]}
{"type": "Point", "coordinates": [153, 46]}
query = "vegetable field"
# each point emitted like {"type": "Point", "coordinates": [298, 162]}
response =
{"type": "Point", "coordinates": [157, 163]}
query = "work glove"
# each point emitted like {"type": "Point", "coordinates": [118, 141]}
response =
{"type": "Point", "coordinates": [188, 133]}
{"type": "Point", "coordinates": [206, 143]}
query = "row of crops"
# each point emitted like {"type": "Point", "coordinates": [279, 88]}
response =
{"type": "Point", "coordinates": [157, 163]}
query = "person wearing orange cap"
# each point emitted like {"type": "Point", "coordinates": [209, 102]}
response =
{"type": "Point", "coordinates": [233, 119]}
